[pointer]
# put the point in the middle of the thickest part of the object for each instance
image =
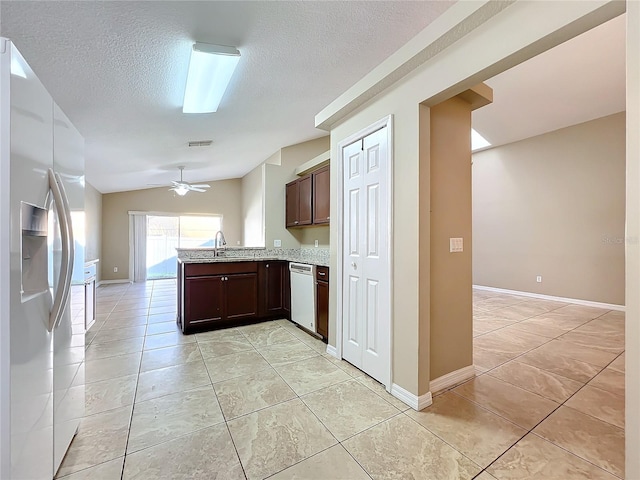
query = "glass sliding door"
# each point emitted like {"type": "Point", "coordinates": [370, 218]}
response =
{"type": "Point", "coordinates": [198, 231]}
{"type": "Point", "coordinates": [162, 240]}
{"type": "Point", "coordinates": [165, 233]}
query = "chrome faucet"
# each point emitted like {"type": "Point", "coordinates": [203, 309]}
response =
{"type": "Point", "coordinates": [219, 241]}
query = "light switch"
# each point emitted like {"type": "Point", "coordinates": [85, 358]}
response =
{"type": "Point", "coordinates": [455, 245]}
{"type": "Point", "coordinates": [277, 243]}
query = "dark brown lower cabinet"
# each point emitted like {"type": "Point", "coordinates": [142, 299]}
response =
{"type": "Point", "coordinates": [203, 300]}
{"type": "Point", "coordinates": [286, 287]}
{"type": "Point", "coordinates": [322, 301]}
{"type": "Point", "coordinates": [216, 295]}
{"type": "Point", "coordinates": [241, 296]}
{"type": "Point", "coordinates": [272, 288]}
{"type": "Point", "coordinates": [221, 294]}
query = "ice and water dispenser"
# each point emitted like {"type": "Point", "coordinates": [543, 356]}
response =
{"type": "Point", "coordinates": [35, 258]}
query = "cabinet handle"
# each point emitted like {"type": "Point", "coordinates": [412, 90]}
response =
{"type": "Point", "coordinates": [322, 274]}
{"type": "Point", "coordinates": [327, 218]}
{"type": "Point", "coordinates": [296, 222]}
{"type": "Point", "coordinates": [267, 265]}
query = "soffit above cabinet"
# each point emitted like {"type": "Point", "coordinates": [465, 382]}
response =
{"type": "Point", "coordinates": [313, 164]}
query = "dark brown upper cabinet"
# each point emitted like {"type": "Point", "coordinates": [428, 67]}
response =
{"type": "Point", "coordinates": [307, 199]}
{"type": "Point", "coordinates": [299, 202]}
{"type": "Point", "coordinates": [320, 197]}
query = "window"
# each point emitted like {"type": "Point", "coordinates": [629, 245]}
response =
{"type": "Point", "coordinates": [165, 233]}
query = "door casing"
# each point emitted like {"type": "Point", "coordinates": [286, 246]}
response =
{"type": "Point", "coordinates": [388, 207]}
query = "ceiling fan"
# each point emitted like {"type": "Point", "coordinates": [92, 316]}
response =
{"type": "Point", "coordinates": [182, 188]}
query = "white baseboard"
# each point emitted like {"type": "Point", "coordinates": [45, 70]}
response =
{"type": "Point", "coordinates": [416, 402]}
{"type": "Point", "coordinates": [110, 282]}
{"type": "Point", "coordinates": [452, 378]}
{"type": "Point", "coordinates": [577, 301]}
{"type": "Point", "coordinates": [331, 350]}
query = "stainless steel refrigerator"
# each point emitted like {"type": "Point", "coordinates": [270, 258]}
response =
{"type": "Point", "coordinates": [41, 330]}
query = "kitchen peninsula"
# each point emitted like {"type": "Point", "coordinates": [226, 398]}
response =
{"type": "Point", "coordinates": [220, 288]}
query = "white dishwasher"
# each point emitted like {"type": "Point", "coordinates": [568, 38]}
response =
{"type": "Point", "coordinates": [303, 295]}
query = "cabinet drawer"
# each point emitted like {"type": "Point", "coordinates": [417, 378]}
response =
{"type": "Point", "coordinates": [322, 274]}
{"type": "Point", "coordinates": [223, 268]}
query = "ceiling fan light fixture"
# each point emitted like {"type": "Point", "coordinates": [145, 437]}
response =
{"type": "Point", "coordinates": [210, 70]}
{"type": "Point", "coordinates": [181, 190]}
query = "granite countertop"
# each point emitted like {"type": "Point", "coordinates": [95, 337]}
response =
{"type": "Point", "coordinates": [228, 259]}
{"type": "Point", "coordinates": [311, 256]}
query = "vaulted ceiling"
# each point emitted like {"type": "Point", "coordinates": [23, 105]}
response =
{"type": "Point", "coordinates": [118, 70]}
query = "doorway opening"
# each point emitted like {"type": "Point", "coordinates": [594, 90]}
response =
{"type": "Point", "coordinates": [548, 238]}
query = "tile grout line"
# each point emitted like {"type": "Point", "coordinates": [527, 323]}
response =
{"type": "Point", "coordinates": [530, 431]}
{"type": "Point", "coordinates": [197, 342]}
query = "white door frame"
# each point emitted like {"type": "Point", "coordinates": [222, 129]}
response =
{"type": "Point", "coordinates": [388, 205]}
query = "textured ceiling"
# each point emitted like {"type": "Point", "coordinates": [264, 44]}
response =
{"type": "Point", "coordinates": [118, 71]}
{"type": "Point", "coordinates": [577, 81]}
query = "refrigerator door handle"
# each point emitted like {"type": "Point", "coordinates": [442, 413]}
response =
{"type": "Point", "coordinates": [70, 248]}
{"type": "Point", "coordinates": [64, 282]}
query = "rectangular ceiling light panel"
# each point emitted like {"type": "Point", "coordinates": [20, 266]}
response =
{"type": "Point", "coordinates": [210, 70]}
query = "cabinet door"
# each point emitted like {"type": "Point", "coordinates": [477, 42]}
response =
{"type": "Point", "coordinates": [274, 276]}
{"type": "Point", "coordinates": [291, 216]}
{"type": "Point", "coordinates": [304, 200]}
{"type": "Point", "coordinates": [286, 290]}
{"type": "Point", "coordinates": [241, 296]}
{"type": "Point", "coordinates": [203, 301]}
{"type": "Point", "coordinates": [322, 308]}
{"type": "Point", "coordinates": [321, 196]}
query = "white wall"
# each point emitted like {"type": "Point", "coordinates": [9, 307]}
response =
{"type": "Point", "coordinates": [253, 184]}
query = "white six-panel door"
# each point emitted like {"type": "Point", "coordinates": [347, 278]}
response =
{"type": "Point", "coordinates": [366, 263]}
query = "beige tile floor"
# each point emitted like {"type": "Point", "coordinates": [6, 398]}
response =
{"type": "Point", "coordinates": [265, 401]}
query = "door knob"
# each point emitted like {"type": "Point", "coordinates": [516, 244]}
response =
{"type": "Point", "coordinates": [353, 264]}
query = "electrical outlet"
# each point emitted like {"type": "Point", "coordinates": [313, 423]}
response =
{"type": "Point", "coordinates": [455, 245]}
{"type": "Point", "coordinates": [316, 243]}
{"type": "Point", "coordinates": [539, 279]}
{"type": "Point", "coordinates": [277, 243]}
{"type": "Point", "coordinates": [115, 269]}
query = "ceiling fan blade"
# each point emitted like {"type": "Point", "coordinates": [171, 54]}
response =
{"type": "Point", "coordinates": [202, 185]}
{"type": "Point", "coordinates": [193, 189]}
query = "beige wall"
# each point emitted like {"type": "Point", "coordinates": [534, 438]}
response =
{"type": "Point", "coordinates": [276, 177]}
{"type": "Point", "coordinates": [495, 43]}
{"type": "Point", "coordinates": [308, 237]}
{"type": "Point", "coordinates": [632, 270]}
{"type": "Point", "coordinates": [93, 225]}
{"type": "Point", "coordinates": [253, 207]}
{"type": "Point", "coordinates": [451, 313]}
{"type": "Point", "coordinates": [553, 205]}
{"type": "Point", "coordinates": [223, 198]}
